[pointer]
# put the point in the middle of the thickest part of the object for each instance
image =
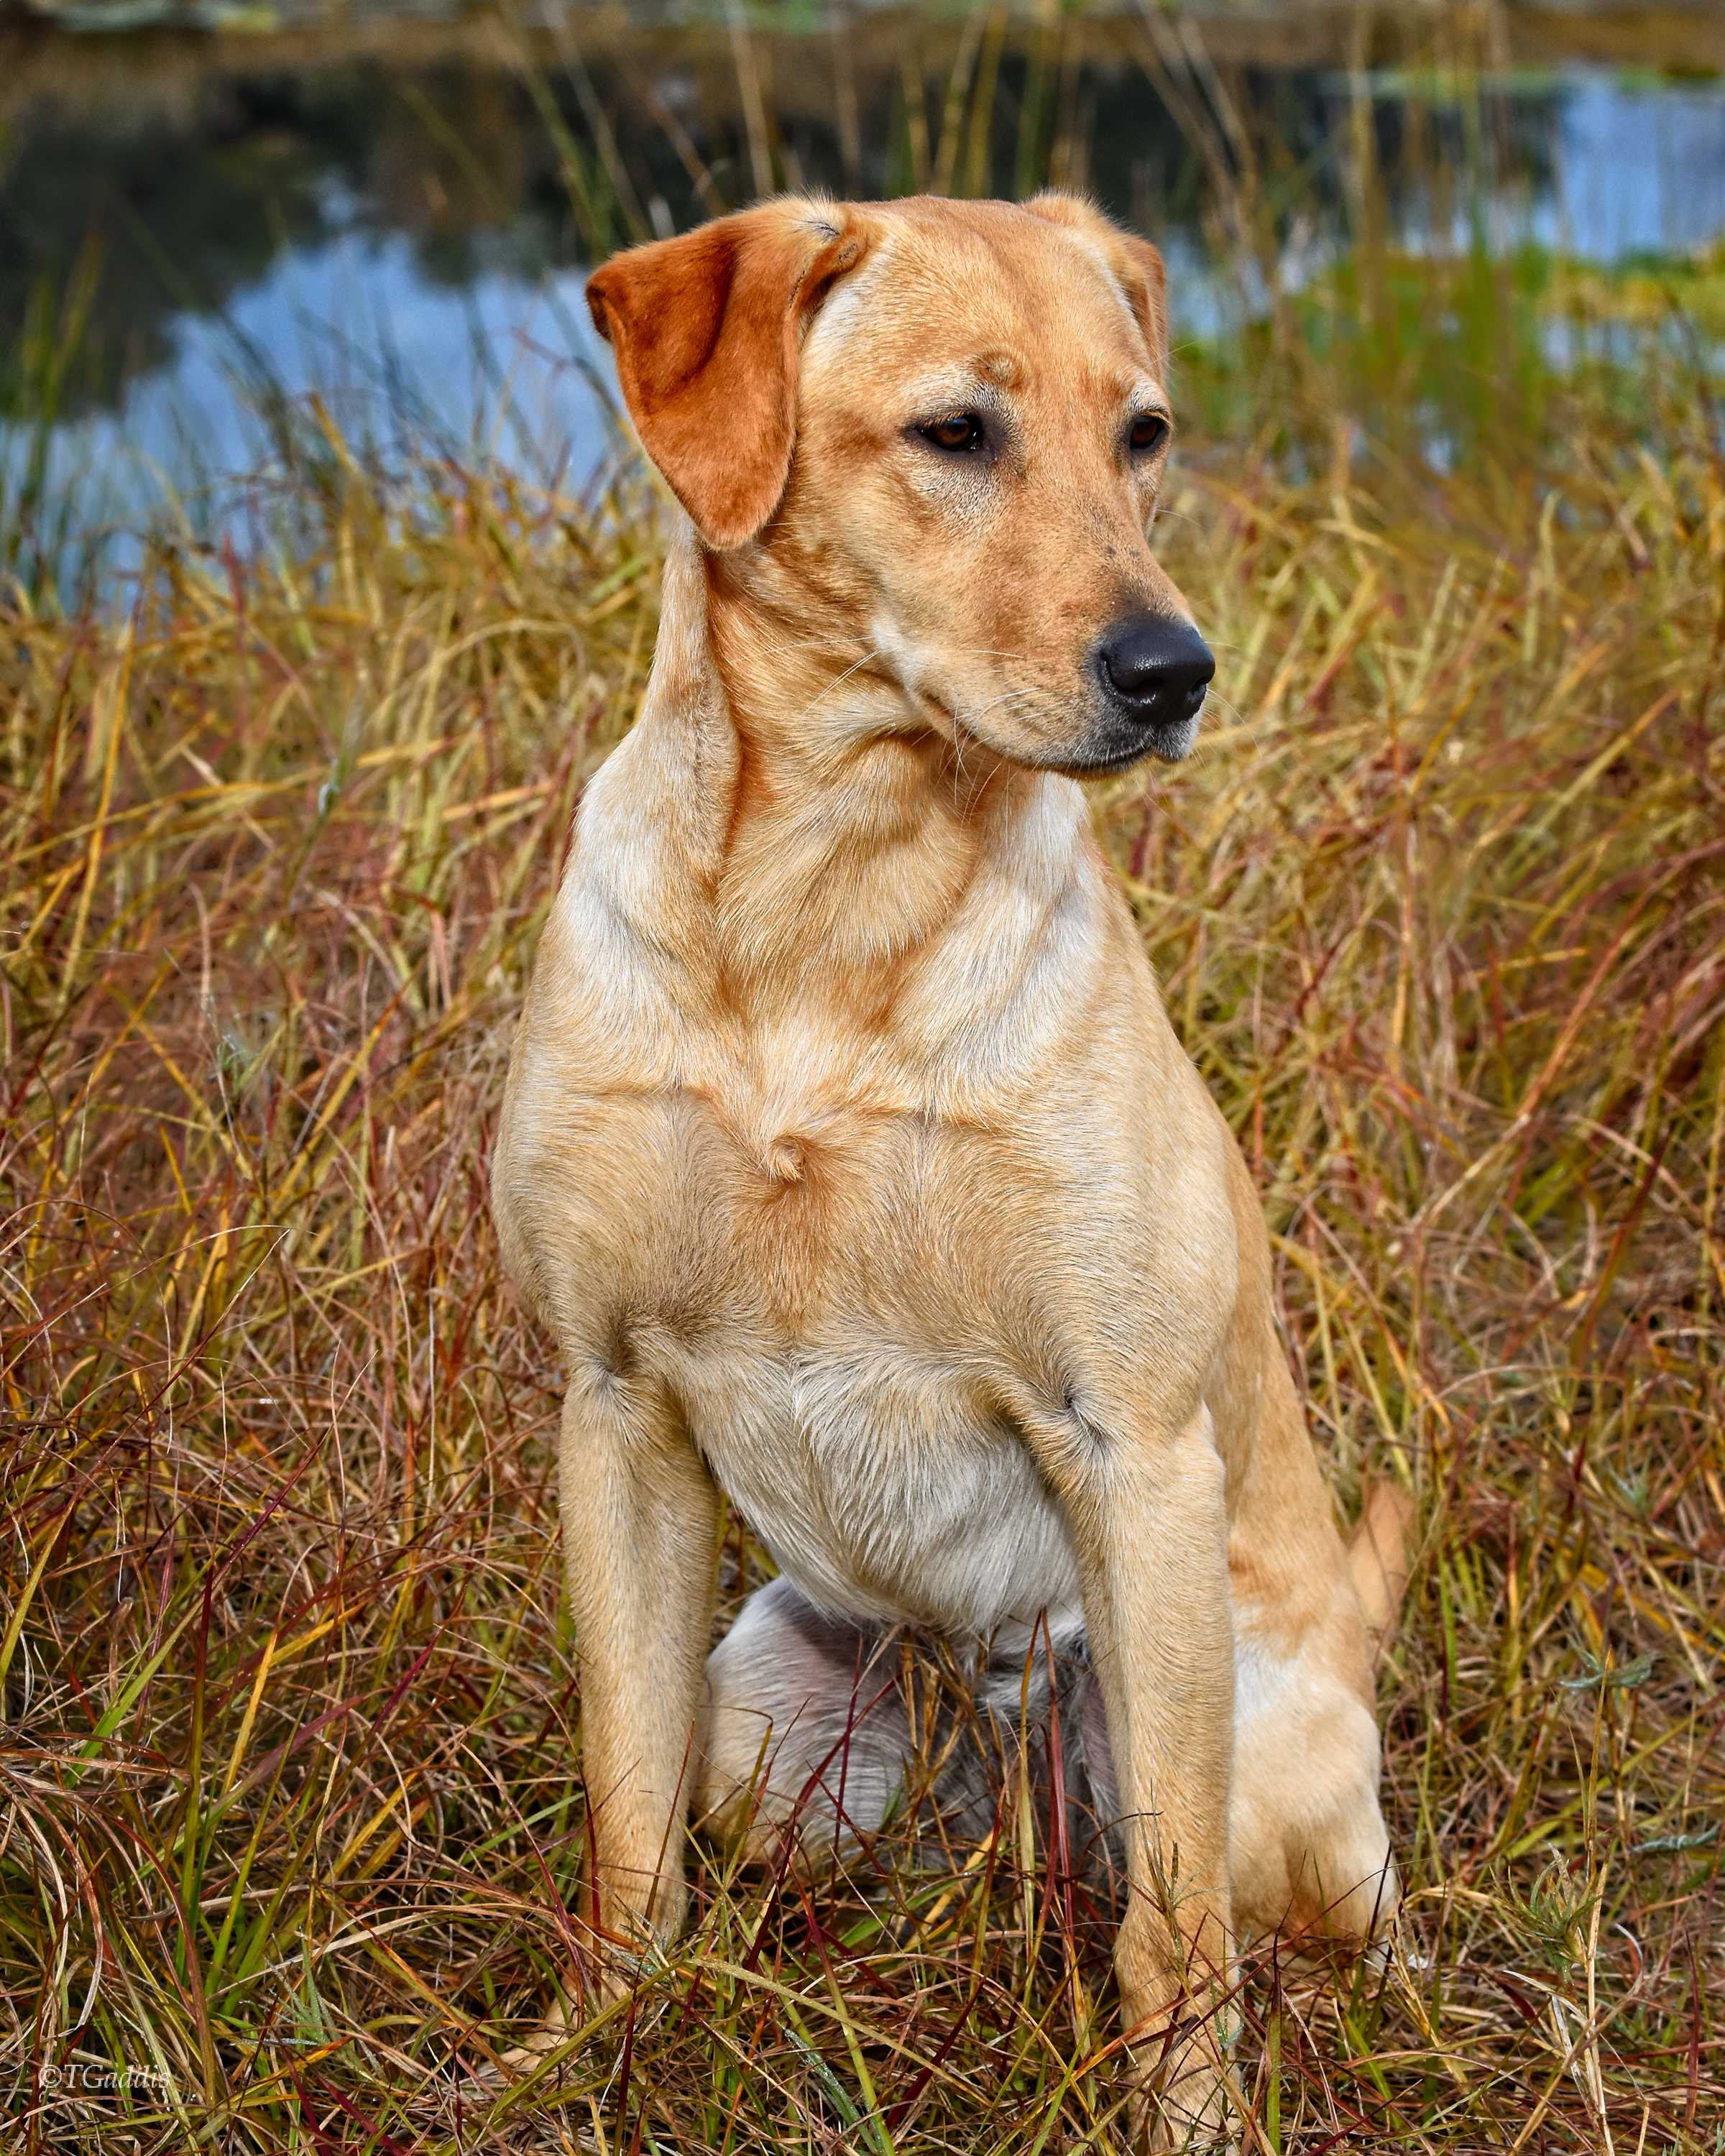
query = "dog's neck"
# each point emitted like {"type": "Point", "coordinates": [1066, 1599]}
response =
{"type": "Point", "coordinates": [840, 852]}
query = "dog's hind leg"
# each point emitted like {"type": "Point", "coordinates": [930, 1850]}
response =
{"type": "Point", "coordinates": [1307, 1849]}
{"type": "Point", "coordinates": [807, 1730]}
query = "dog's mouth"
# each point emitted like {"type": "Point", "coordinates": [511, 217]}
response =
{"type": "Point", "coordinates": [1109, 751]}
{"type": "Point", "coordinates": [1170, 741]}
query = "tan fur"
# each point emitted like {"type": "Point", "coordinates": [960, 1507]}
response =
{"type": "Point", "coordinates": [847, 1150]}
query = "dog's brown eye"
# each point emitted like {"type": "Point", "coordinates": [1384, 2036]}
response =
{"type": "Point", "coordinates": [958, 430]}
{"type": "Point", "coordinates": [1148, 432]}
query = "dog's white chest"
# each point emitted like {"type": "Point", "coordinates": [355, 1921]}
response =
{"type": "Point", "coordinates": [883, 1493]}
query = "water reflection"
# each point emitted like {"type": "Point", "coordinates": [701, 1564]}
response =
{"type": "Point", "coordinates": [1636, 169]}
{"type": "Point", "coordinates": [497, 366]}
{"type": "Point", "coordinates": [404, 230]}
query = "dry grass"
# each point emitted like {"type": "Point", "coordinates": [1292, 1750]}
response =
{"type": "Point", "coordinates": [292, 1816]}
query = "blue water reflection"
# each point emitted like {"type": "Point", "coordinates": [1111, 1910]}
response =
{"type": "Point", "coordinates": [474, 341]}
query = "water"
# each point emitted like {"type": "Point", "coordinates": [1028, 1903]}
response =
{"type": "Point", "coordinates": [395, 217]}
{"type": "Point", "coordinates": [502, 368]}
{"type": "Point", "coordinates": [1637, 169]}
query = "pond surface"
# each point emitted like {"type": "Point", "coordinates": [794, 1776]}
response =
{"type": "Point", "coordinates": [198, 229]}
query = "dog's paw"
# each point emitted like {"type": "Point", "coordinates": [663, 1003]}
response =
{"type": "Point", "coordinates": [1308, 1853]}
{"type": "Point", "coordinates": [602, 1985]}
{"type": "Point", "coordinates": [1185, 2105]}
{"type": "Point", "coordinates": [521, 2059]}
{"type": "Point", "coordinates": [1184, 2091]}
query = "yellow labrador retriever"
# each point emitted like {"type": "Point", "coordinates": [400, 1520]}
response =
{"type": "Point", "coordinates": [847, 1150]}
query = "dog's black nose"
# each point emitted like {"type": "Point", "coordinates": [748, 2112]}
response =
{"type": "Point", "coordinates": [1155, 667]}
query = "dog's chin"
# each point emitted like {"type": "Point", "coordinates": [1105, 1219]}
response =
{"type": "Point", "coordinates": [1108, 745]}
{"type": "Point", "coordinates": [1119, 746]}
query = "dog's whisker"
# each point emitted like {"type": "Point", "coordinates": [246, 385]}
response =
{"type": "Point", "coordinates": [849, 674]}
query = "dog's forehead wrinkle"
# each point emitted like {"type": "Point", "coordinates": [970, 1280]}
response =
{"type": "Point", "coordinates": [1011, 272]}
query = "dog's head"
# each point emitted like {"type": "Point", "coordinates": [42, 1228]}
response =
{"type": "Point", "coordinates": [942, 427]}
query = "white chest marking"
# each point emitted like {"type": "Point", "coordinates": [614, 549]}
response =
{"type": "Point", "coordinates": [883, 1493]}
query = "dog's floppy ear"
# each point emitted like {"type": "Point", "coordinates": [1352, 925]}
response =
{"type": "Point", "coordinates": [1136, 266]}
{"type": "Point", "coordinates": [706, 329]}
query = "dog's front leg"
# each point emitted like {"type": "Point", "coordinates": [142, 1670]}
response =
{"type": "Point", "coordinates": [638, 1512]}
{"type": "Point", "coordinates": [1148, 1514]}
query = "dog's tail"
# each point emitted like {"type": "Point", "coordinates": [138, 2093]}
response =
{"type": "Point", "coordinates": [1377, 1555]}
